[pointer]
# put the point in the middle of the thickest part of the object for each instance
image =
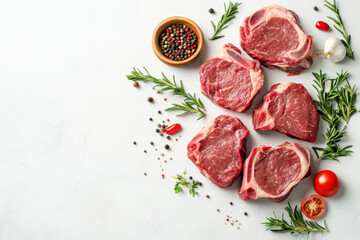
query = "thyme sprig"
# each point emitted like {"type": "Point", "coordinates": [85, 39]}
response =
{"type": "Point", "coordinates": [182, 181]}
{"type": "Point", "coordinates": [190, 104]}
{"type": "Point", "coordinates": [335, 105]}
{"type": "Point", "coordinates": [339, 25]}
{"type": "Point", "coordinates": [297, 223]}
{"type": "Point", "coordinates": [229, 14]}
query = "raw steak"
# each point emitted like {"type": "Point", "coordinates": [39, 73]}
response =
{"type": "Point", "coordinates": [273, 36]}
{"type": "Point", "coordinates": [273, 172]}
{"type": "Point", "coordinates": [288, 108]}
{"type": "Point", "coordinates": [230, 80]}
{"type": "Point", "coordinates": [218, 150]}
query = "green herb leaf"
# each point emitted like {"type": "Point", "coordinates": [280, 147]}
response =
{"type": "Point", "coordinates": [297, 223]}
{"type": "Point", "coordinates": [340, 27]}
{"type": "Point", "coordinates": [190, 104]}
{"type": "Point", "coordinates": [229, 14]}
{"type": "Point", "coordinates": [182, 181]}
{"type": "Point", "coordinates": [335, 105]}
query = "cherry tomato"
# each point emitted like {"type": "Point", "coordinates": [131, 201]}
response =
{"type": "Point", "coordinates": [323, 26]}
{"type": "Point", "coordinates": [173, 129]}
{"type": "Point", "coordinates": [326, 183]}
{"type": "Point", "coordinates": [313, 206]}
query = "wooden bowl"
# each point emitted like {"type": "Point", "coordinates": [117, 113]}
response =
{"type": "Point", "coordinates": [177, 20]}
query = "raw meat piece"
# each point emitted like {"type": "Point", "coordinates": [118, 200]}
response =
{"type": "Point", "coordinates": [230, 80]}
{"type": "Point", "coordinates": [273, 172]}
{"type": "Point", "coordinates": [218, 150]}
{"type": "Point", "coordinates": [273, 36]}
{"type": "Point", "coordinates": [288, 108]}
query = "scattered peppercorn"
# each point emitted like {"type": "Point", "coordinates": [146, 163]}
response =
{"type": "Point", "coordinates": [190, 177]}
{"type": "Point", "coordinates": [162, 154]}
{"type": "Point", "coordinates": [211, 10]}
{"type": "Point", "coordinates": [161, 134]}
{"type": "Point", "coordinates": [227, 219]}
{"type": "Point", "coordinates": [145, 173]}
{"type": "Point", "coordinates": [134, 143]}
{"type": "Point", "coordinates": [136, 84]}
{"type": "Point", "coordinates": [316, 8]}
{"type": "Point", "coordinates": [150, 119]}
{"type": "Point", "coordinates": [200, 184]}
{"type": "Point", "coordinates": [145, 151]}
{"type": "Point", "coordinates": [152, 143]}
{"type": "Point", "coordinates": [150, 99]}
{"type": "Point", "coordinates": [231, 203]}
{"type": "Point", "coordinates": [159, 112]}
{"type": "Point", "coordinates": [157, 130]}
{"type": "Point", "coordinates": [207, 196]}
{"type": "Point", "coordinates": [168, 138]}
{"type": "Point", "coordinates": [178, 42]}
{"type": "Point", "coordinates": [167, 146]}
{"type": "Point", "coordinates": [218, 210]}
{"type": "Point", "coordinates": [245, 213]}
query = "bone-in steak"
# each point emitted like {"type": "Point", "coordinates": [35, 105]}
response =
{"type": "Point", "coordinates": [273, 172]}
{"type": "Point", "coordinates": [218, 150]}
{"type": "Point", "coordinates": [230, 80]}
{"type": "Point", "coordinates": [288, 108]}
{"type": "Point", "coordinates": [273, 36]}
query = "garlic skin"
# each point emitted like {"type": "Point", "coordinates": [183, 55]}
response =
{"type": "Point", "coordinates": [334, 49]}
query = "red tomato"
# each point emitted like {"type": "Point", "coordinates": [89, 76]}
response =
{"type": "Point", "coordinates": [173, 129]}
{"type": "Point", "coordinates": [313, 206]}
{"type": "Point", "coordinates": [326, 183]}
{"type": "Point", "coordinates": [323, 26]}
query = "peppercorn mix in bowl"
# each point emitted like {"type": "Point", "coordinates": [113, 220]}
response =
{"type": "Point", "coordinates": [177, 41]}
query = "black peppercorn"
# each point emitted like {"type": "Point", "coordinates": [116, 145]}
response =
{"type": "Point", "coordinates": [316, 8]}
{"type": "Point", "coordinates": [211, 10]}
{"type": "Point", "coordinates": [157, 130]}
{"type": "Point", "coordinates": [167, 146]}
{"type": "Point", "coordinates": [231, 203]}
{"type": "Point", "coordinates": [150, 99]}
{"type": "Point", "coordinates": [245, 213]}
{"type": "Point", "coordinates": [134, 143]}
{"type": "Point", "coordinates": [200, 184]}
{"type": "Point", "coordinates": [207, 196]}
{"type": "Point", "coordinates": [152, 143]}
{"type": "Point", "coordinates": [159, 112]}
{"type": "Point", "coordinates": [190, 177]}
{"type": "Point", "coordinates": [150, 119]}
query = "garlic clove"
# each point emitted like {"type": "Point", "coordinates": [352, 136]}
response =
{"type": "Point", "coordinates": [334, 49]}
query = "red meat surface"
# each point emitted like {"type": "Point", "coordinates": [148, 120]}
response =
{"type": "Point", "coordinates": [218, 150]}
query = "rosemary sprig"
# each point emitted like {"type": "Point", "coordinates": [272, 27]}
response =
{"type": "Point", "coordinates": [336, 106]}
{"type": "Point", "coordinates": [225, 19]}
{"type": "Point", "coordinates": [190, 104]}
{"type": "Point", "coordinates": [297, 223]}
{"type": "Point", "coordinates": [339, 25]}
{"type": "Point", "coordinates": [181, 181]}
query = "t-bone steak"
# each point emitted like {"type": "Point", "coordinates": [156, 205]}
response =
{"type": "Point", "coordinates": [273, 36]}
{"type": "Point", "coordinates": [218, 150]}
{"type": "Point", "coordinates": [288, 108]}
{"type": "Point", "coordinates": [273, 172]}
{"type": "Point", "coordinates": [230, 80]}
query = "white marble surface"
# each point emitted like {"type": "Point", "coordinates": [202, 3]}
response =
{"type": "Point", "coordinates": [68, 117]}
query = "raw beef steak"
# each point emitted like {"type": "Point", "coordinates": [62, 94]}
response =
{"type": "Point", "coordinates": [230, 80]}
{"type": "Point", "coordinates": [273, 36]}
{"type": "Point", "coordinates": [288, 108]}
{"type": "Point", "coordinates": [273, 172]}
{"type": "Point", "coordinates": [218, 150]}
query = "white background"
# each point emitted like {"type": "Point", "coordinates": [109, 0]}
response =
{"type": "Point", "coordinates": [68, 117]}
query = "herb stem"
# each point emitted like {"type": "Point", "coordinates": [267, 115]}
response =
{"type": "Point", "coordinates": [190, 104]}
{"type": "Point", "coordinates": [229, 14]}
{"type": "Point", "coordinates": [340, 27]}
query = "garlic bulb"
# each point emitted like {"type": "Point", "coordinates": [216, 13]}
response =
{"type": "Point", "coordinates": [334, 50]}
